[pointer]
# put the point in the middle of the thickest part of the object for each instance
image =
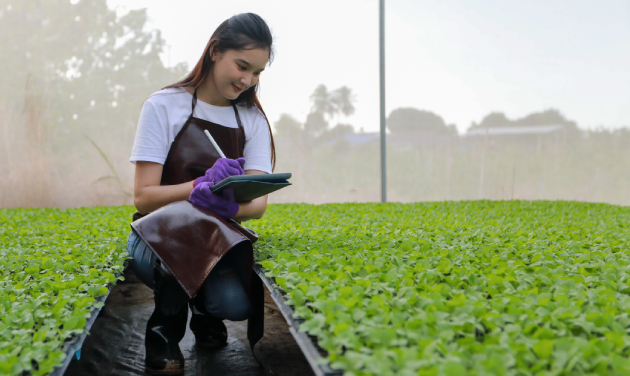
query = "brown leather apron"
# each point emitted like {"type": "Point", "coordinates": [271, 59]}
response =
{"type": "Point", "coordinates": [189, 239]}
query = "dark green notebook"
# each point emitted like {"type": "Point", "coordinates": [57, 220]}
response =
{"type": "Point", "coordinates": [249, 187]}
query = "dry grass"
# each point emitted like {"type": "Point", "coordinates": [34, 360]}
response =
{"type": "Point", "coordinates": [34, 176]}
{"type": "Point", "coordinates": [26, 159]}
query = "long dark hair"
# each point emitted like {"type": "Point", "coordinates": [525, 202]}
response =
{"type": "Point", "coordinates": [239, 32]}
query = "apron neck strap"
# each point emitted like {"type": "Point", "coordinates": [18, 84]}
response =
{"type": "Point", "coordinates": [238, 117]}
{"type": "Point", "coordinates": [194, 102]}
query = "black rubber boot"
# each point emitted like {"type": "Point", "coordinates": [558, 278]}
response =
{"type": "Point", "coordinates": [166, 326]}
{"type": "Point", "coordinates": [210, 332]}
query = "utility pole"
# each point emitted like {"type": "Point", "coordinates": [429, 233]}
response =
{"type": "Point", "coordinates": [382, 94]}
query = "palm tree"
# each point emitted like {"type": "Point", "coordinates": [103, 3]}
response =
{"type": "Point", "coordinates": [342, 99]}
{"type": "Point", "coordinates": [322, 103]}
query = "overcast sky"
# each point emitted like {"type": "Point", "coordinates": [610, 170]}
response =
{"type": "Point", "coordinates": [461, 59]}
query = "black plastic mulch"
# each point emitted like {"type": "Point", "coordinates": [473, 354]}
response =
{"type": "Point", "coordinates": [115, 345]}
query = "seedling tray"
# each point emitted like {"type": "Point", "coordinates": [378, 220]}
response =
{"type": "Point", "coordinates": [72, 347]}
{"type": "Point", "coordinates": [306, 343]}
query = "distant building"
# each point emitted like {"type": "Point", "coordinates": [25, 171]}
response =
{"type": "Point", "coordinates": [514, 130]}
{"type": "Point", "coordinates": [401, 140]}
{"type": "Point", "coordinates": [534, 136]}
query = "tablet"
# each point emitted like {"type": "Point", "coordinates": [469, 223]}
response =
{"type": "Point", "coordinates": [266, 178]}
{"type": "Point", "coordinates": [249, 187]}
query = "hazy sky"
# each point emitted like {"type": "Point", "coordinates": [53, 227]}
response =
{"type": "Point", "coordinates": [458, 58]}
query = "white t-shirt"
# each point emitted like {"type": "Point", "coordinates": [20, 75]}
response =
{"type": "Point", "coordinates": [164, 113]}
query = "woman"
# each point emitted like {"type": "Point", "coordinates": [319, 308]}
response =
{"type": "Point", "coordinates": [191, 248]}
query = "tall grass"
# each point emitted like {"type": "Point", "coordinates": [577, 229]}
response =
{"type": "Point", "coordinates": [39, 169]}
{"type": "Point", "coordinates": [27, 171]}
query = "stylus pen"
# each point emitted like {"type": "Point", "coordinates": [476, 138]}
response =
{"type": "Point", "coordinates": [214, 143]}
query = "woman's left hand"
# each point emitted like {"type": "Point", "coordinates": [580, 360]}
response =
{"type": "Point", "coordinates": [221, 203]}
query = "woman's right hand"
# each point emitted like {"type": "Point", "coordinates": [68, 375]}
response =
{"type": "Point", "coordinates": [222, 168]}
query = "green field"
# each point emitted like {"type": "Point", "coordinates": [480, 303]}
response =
{"type": "Point", "coordinates": [455, 288]}
{"type": "Point", "coordinates": [450, 288]}
{"type": "Point", "coordinates": [53, 264]}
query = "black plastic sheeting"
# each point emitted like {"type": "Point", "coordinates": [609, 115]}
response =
{"type": "Point", "coordinates": [73, 346]}
{"type": "Point", "coordinates": [115, 345]}
{"type": "Point", "coordinates": [308, 344]}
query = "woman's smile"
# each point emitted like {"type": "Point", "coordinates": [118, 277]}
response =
{"type": "Point", "coordinates": [237, 70]}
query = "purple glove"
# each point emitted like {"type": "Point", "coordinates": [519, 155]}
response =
{"type": "Point", "coordinates": [222, 168]}
{"type": "Point", "coordinates": [221, 203]}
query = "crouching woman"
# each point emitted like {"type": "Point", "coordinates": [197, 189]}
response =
{"type": "Point", "coordinates": [186, 242]}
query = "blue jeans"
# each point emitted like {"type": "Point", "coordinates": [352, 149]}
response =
{"type": "Point", "coordinates": [222, 293]}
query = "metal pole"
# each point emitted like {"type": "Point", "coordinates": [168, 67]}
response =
{"type": "Point", "coordinates": [382, 94]}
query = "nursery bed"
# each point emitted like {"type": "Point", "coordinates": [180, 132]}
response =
{"type": "Point", "coordinates": [476, 287]}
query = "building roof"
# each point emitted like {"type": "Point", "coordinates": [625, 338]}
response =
{"type": "Point", "coordinates": [513, 130]}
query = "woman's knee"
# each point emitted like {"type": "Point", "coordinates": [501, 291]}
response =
{"type": "Point", "coordinates": [237, 311]}
{"type": "Point", "coordinates": [225, 297]}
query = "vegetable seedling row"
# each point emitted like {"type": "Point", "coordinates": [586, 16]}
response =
{"type": "Point", "coordinates": [72, 346]}
{"type": "Point", "coordinates": [454, 288]}
{"type": "Point", "coordinates": [56, 269]}
{"type": "Point", "coordinates": [305, 342]}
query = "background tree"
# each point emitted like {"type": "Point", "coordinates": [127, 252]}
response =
{"type": "Point", "coordinates": [290, 139]}
{"type": "Point", "coordinates": [493, 120]}
{"type": "Point", "coordinates": [325, 106]}
{"type": "Point", "coordinates": [76, 71]}
{"type": "Point", "coordinates": [343, 99]}
{"type": "Point", "coordinates": [337, 132]}
{"type": "Point", "coordinates": [547, 117]}
{"type": "Point", "coordinates": [410, 119]}
{"type": "Point", "coordinates": [83, 58]}
{"type": "Point", "coordinates": [287, 126]}
{"type": "Point", "coordinates": [322, 103]}
{"type": "Point", "coordinates": [315, 124]}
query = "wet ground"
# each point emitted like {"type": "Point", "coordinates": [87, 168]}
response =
{"type": "Point", "coordinates": [115, 345]}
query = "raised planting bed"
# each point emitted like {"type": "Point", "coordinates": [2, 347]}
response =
{"type": "Point", "coordinates": [308, 346]}
{"type": "Point", "coordinates": [56, 267]}
{"type": "Point", "coordinates": [456, 288]}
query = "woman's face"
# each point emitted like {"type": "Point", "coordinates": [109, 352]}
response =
{"type": "Point", "coordinates": [235, 71]}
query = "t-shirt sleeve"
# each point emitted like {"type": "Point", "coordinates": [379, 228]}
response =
{"type": "Point", "coordinates": [257, 151]}
{"type": "Point", "coordinates": [151, 142]}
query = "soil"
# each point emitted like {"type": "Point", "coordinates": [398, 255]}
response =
{"type": "Point", "coordinates": [115, 345]}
